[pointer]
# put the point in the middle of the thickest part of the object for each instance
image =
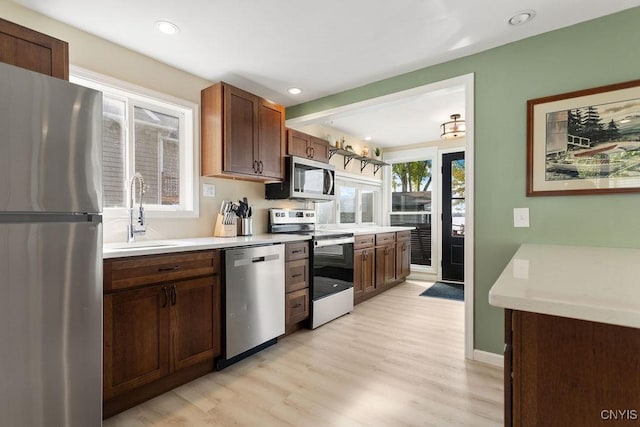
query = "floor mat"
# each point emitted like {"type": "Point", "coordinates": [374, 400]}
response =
{"type": "Point", "coordinates": [445, 290]}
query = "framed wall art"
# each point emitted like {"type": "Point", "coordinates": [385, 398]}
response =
{"type": "Point", "coordinates": [584, 142]}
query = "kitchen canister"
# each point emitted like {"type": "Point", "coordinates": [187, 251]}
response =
{"type": "Point", "coordinates": [245, 226]}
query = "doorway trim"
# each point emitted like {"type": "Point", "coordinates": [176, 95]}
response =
{"type": "Point", "coordinates": [466, 80]}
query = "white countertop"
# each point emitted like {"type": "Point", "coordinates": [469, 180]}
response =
{"type": "Point", "coordinates": [588, 283]}
{"type": "Point", "coordinates": [155, 247]}
{"type": "Point", "coordinates": [369, 230]}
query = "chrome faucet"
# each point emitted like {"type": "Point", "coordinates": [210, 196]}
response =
{"type": "Point", "coordinates": [141, 226]}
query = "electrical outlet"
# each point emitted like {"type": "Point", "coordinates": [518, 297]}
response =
{"type": "Point", "coordinates": [208, 190]}
{"type": "Point", "coordinates": [521, 217]}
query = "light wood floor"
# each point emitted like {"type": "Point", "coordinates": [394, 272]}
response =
{"type": "Point", "coordinates": [396, 360]}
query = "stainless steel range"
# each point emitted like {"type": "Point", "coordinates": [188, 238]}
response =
{"type": "Point", "coordinates": [331, 263]}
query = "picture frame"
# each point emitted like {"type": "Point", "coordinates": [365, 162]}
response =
{"type": "Point", "coordinates": [584, 142]}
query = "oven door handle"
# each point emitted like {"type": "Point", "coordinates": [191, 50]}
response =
{"type": "Point", "coordinates": [332, 242]}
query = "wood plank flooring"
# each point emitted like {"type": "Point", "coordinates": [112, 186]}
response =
{"type": "Point", "coordinates": [396, 360]}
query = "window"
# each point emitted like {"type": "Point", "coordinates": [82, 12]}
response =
{"type": "Point", "coordinates": [411, 198]}
{"type": "Point", "coordinates": [356, 203]}
{"type": "Point", "coordinates": [151, 134]}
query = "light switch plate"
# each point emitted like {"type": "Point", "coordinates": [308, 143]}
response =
{"type": "Point", "coordinates": [521, 217]}
{"type": "Point", "coordinates": [208, 190]}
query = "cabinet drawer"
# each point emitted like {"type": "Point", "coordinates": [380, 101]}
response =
{"type": "Point", "coordinates": [403, 235]}
{"type": "Point", "coordinates": [123, 273]}
{"type": "Point", "coordinates": [296, 275]}
{"type": "Point", "coordinates": [298, 250]}
{"type": "Point", "coordinates": [385, 238]}
{"type": "Point", "coordinates": [361, 242]}
{"type": "Point", "coordinates": [297, 306]}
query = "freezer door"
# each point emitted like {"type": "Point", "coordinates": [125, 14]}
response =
{"type": "Point", "coordinates": [50, 144]}
{"type": "Point", "coordinates": [51, 317]}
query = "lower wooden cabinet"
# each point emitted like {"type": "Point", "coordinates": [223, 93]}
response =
{"type": "Point", "coordinates": [569, 372]}
{"type": "Point", "coordinates": [136, 339]}
{"type": "Point", "coordinates": [385, 265]}
{"type": "Point", "coordinates": [380, 261]}
{"type": "Point", "coordinates": [194, 326]}
{"type": "Point", "coordinates": [296, 285]}
{"type": "Point", "coordinates": [159, 336]}
{"type": "Point", "coordinates": [296, 306]}
{"type": "Point", "coordinates": [364, 270]}
{"type": "Point", "coordinates": [403, 254]}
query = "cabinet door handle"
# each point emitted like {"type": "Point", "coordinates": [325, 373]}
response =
{"type": "Point", "coordinates": [261, 167]}
{"type": "Point", "coordinates": [165, 297]}
{"type": "Point", "coordinates": [308, 151]}
{"type": "Point", "coordinates": [313, 152]}
{"type": "Point", "coordinates": [255, 166]}
{"type": "Point", "coordinates": [174, 295]}
{"type": "Point", "coordinates": [174, 268]}
{"type": "Point", "coordinates": [297, 306]}
{"type": "Point", "coordinates": [296, 275]}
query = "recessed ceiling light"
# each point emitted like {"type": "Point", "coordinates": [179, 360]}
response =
{"type": "Point", "coordinates": [522, 17]}
{"type": "Point", "coordinates": [367, 138]}
{"type": "Point", "coordinates": [294, 91]}
{"type": "Point", "coordinates": [167, 27]}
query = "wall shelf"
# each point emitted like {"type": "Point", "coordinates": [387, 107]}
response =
{"type": "Point", "coordinates": [364, 161]}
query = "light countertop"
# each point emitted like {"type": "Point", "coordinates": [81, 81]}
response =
{"type": "Point", "coordinates": [588, 283]}
{"type": "Point", "coordinates": [155, 247]}
{"type": "Point", "coordinates": [369, 229]}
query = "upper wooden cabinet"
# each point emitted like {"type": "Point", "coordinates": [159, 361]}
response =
{"type": "Point", "coordinates": [243, 135]}
{"type": "Point", "coordinates": [303, 145]}
{"type": "Point", "coordinates": [26, 48]}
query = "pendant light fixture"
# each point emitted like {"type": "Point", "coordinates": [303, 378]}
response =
{"type": "Point", "coordinates": [453, 129]}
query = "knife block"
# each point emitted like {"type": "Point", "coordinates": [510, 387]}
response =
{"type": "Point", "coordinates": [225, 230]}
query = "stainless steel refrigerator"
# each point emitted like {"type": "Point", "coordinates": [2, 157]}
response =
{"type": "Point", "coordinates": [50, 251]}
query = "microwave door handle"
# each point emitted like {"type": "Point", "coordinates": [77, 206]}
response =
{"type": "Point", "coordinates": [330, 181]}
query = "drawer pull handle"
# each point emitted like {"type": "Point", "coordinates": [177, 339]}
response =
{"type": "Point", "coordinates": [174, 268]}
{"type": "Point", "coordinates": [296, 275]}
{"type": "Point", "coordinates": [297, 251]}
{"type": "Point", "coordinates": [297, 306]}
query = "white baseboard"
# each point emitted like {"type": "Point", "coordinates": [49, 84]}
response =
{"type": "Point", "coordinates": [488, 358]}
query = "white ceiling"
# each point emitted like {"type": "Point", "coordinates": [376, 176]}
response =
{"type": "Point", "coordinates": [411, 117]}
{"type": "Point", "coordinates": [322, 47]}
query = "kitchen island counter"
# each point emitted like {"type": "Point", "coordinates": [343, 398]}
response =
{"type": "Point", "coordinates": [597, 284]}
{"type": "Point", "coordinates": [571, 335]}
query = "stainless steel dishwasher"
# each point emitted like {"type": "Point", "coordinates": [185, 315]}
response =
{"type": "Point", "coordinates": [254, 296]}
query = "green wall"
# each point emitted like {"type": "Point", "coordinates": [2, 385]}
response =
{"type": "Point", "coordinates": [595, 53]}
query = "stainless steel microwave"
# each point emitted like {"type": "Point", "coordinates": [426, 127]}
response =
{"type": "Point", "coordinates": [305, 180]}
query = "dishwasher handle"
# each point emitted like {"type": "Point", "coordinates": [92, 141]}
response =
{"type": "Point", "coordinates": [254, 260]}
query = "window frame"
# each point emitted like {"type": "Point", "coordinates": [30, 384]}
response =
{"type": "Point", "coordinates": [189, 152]}
{"type": "Point", "coordinates": [359, 183]}
{"type": "Point", "coordinates": [412, 155]}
